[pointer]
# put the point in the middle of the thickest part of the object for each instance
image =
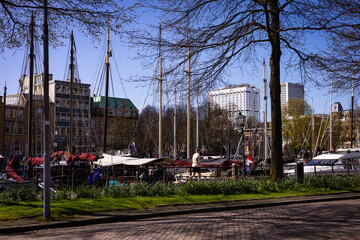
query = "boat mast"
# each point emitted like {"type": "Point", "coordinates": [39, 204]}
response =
{"type": "Point", "coordinates": [106, 89]}
{"type": "Point", "coordinates": [175, 150]}
{"type": "Point", "coordinates": [313, 133]}
{"type": "Point", "coordinates": [197, 114]}
{"type": "Point", "coordinates": [31, 78]}
{"type": "Point", "coordinates": [4, 113]}
{"type": "Point", "coordinates": [352, 112]}
{"type": "Point", "coordinates": [160, 93]}
{"type": "Point", "coordinates": [71, 91]}
{"type": "Point", "coordinates": [46, 177]}
{"type": "Point", "coordinates": [188, 89]}
{"type": "Point", "coordinates": [265, 115]}
{"type": "Point", "coordinates": [330, 126]}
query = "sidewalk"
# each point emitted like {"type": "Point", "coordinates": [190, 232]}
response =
{"type": "Point", "coordinates": [168, 210]}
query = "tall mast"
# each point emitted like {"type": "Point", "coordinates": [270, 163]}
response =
{"type": "Point", "coordinates": [175, 150]}
{"type": "Point", "coordinates": [352, 112]}
{"type": "Point", "coordinates": [188, 89]}
{"type": "Point", "coordinates": [313, 133]}
{"type": "Point", "coordinates": [160, 94]}
{"type": "Point", "coordinates": [330, 126]}
{"type": "Point", "coordinates": [4, 113]}
{"type": "Point", "coordinates": [71, 91]}
{"type": "Point", "coordinates": [31, 78]}
{"type": "Point", "coordinates": [46, 116]}
{"type": "Point", "coordinates": [265, 114]}
{"type": "Point", "coordinates": [106, 89]}
{"type": "Point", "coordinates": [197, 114]}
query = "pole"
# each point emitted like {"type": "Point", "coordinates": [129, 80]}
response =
{"type": "Point", "coordinates": [31, 78]}
{"type": "Point", "coordinates": [265, 115]}
{"type": "Point", "coordinates": [197, 115]}
{"type": "Point", "coordinates": [313, 134]}
{"type": "Point", "coordinates": [106, 89]}
{"type": "Point", "coordinates": [71, 91]}
{"type": "Point", "coordinates": [243, 148]}
{"type": "Point", "coordinates": [188, 90]}
{"type": "Point", "coordinates": [330, 126]}
{"type": "Point", "coordinates": [46, 176]}
{"type": "Point", "coordinates": [160, 94]}
{"type": "Point", "coordinates": [352, 113]}
{"type": "Point", "coordinates": [4, 115]}
{"type": "Point", "coordinates": [175, 150]}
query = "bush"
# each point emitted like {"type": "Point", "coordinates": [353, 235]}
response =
{"type": "Point", "coordinates": [20, 194]}
{"type": "Point", "coordinates": [226, 187]}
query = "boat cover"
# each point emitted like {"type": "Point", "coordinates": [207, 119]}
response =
{"type": "Point", "coordinates": [11, 171]}
{"type": "Point", "coordinates": [111, 160]}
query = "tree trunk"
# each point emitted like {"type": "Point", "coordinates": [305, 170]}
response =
{"type": "Point", "coordinates": [276, 167]}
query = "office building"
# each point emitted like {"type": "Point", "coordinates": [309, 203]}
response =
{"type": "Point", "coordinates": [237, 98]}
{"type": "Point", "coordinates": [59, 95]}
{"type": "Point", "coordinates": [289, 91]}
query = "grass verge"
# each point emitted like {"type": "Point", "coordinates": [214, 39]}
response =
{"type": "Point", "coordinates": [63, 209]}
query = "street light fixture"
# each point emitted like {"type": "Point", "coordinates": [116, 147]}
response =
{"type": "Point", "coordinates": [240, 120]}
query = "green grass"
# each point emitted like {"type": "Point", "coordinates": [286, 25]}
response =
{"type": "Point", "coordinates": [61, 209]}
{"type": "Point", "coordinates": [25, 203]}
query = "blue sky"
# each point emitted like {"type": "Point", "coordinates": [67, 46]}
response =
{"type": "Point", "coordinates": [89, 53]}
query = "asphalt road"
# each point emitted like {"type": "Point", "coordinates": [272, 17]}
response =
{"type": "Point", "coordinates": [320, 220]}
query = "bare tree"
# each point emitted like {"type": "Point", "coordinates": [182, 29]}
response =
{"type": "Point", "coordinates": [223, 33]}
{"type": "Point", "coordinates": [342, 58]}
{"type": "Point", "coordinates": [89, 17]}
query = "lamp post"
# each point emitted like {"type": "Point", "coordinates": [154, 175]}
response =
{"type": "Point", "coordinates": [240, 120]}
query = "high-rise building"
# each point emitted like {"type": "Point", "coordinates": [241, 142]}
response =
{"type": "Point", "coordinates": [289, 91]}
{"type": "Point", "coordinates": [59, 97]}
{"type": "Point", "coordinates": [237, 98]}
{"type": "Point", "coordinates": [59, 94]}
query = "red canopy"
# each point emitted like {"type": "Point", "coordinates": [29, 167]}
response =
{"type": "Point", "coordinates": [87, 157]}
{"type": "Point", "coordinates": [56, 154]}
{"type": "Point", "coordinates": [10, 169]}
{"type": "Point", "coordinates": [35, 161]}
{"type": "Point", "coordinates": [72, 158]}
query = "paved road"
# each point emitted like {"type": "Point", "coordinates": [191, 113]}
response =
{"type": "Point", "coordinates": [321, 220]}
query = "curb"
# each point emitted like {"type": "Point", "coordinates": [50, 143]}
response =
{"type": "Point", "coordinates": [163, 211]}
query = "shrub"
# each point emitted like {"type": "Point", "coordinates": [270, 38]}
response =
{"type": "Point", "coordinates": [20, 194]}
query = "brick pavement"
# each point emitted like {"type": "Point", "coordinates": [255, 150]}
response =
{"type": "Point", "coordinates": [320, 220]}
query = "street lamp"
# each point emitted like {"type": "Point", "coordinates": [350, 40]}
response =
{"type": "Point", "coordinates": [240, 120]}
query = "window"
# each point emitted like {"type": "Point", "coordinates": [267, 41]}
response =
{"type": "Point", "coordinates": [21, 114]}
{"type": "Point", "coordinates": [20, 128]}
{"type": "Point", "coordinates": [58, 88]}
{"type": "Point", "coordinates": [39, 130]}
{"type": "Point", "coordinates": [18, 148]}
{"type": "Point", "coordinates": [62, 131]}
{"type": "Point", "coordinates": [14, 128]}
{"type": "Point", "coordinates": [7, 128]}
{"type": "Point", "coordinates": [38, 148]}
{"type": "Point", "coordinates": [7, 113]}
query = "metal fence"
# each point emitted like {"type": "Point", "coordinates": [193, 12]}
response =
{"type": "Point", "coordinates": [324, 169]}
{"type": "Point", "coordinates": [113, 176]}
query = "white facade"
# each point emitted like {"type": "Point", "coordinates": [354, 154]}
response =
{"type": "Point", "coordinates": [289, 91]}
{"type": "Point", "coordinates": [237, 98]}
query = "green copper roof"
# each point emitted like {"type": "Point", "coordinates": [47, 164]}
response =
{"type": "Point", "coordinates": [120, 103]}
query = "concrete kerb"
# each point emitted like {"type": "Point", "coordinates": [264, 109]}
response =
{"type": "Point", "coordinates": [172, 210]}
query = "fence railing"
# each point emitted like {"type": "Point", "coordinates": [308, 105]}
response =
{"type": "Point", "coordinates": [323, 169]}
{"type": "Point", "coordinates": [112, 176]}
